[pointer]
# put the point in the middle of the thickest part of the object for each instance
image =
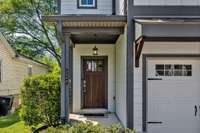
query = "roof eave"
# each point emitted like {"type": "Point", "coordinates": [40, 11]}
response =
{"type": "Point", "coordinates": [85, 18]}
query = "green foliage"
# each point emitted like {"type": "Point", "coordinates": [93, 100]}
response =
{"type": "Point", "coordinates": [88, 128]}
{"type": "Point", "coordinates": [53, 65]}
{"type": "Point", "coordinates": [85, 128]}
{"type": "Point", "coordinates": [115, 129]}
{"type": "Point", "coordinates": [40, 95]}
{"type": "Point", "coordinates": [10, 119]}
{"type": "Point", "coordinates": [21, 23]}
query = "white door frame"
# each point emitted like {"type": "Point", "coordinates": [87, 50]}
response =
{"type": "Point", "coordinates": [144, 81]}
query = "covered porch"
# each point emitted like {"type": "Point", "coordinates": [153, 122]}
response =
{"type": "Point", "coordinates": [94, 66]}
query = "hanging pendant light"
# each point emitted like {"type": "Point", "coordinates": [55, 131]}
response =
{"type": "Point", "coordinates": [95, 51]}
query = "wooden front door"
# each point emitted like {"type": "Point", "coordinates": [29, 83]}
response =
{"type": "Point", "coordinates": [94, 82]}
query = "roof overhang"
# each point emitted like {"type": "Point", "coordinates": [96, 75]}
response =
{"type": "Point", "coordinates": [54, 18]}
{"type": "Point", "coordinates": [171, 28]}
{"type": "Point", "coordinates": [84, 29]}
{"type": "Point", "coordinates": [167, 11]}
{"type": "Point", "coordinates": [168, 20]}
{"type": "Point", "coordinates": [88, 20]}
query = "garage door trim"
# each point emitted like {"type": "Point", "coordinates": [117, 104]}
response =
{"type": "Point", "coordinates": [144, 81]}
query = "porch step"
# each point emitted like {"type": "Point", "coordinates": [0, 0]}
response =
{"type": "Point", "coordinates": [110, 119]}
{"type": "Point", "coordinates": [94, 112]}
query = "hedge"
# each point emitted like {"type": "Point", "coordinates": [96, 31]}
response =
{"type": "Point", "coordinates": [40, 95]}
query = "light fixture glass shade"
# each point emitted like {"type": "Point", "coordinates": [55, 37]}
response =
{"type": "Point", "coordinates": [95, 51]}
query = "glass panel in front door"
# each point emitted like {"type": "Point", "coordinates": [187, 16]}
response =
{"type": "Point", "coordinates": [95, 65]}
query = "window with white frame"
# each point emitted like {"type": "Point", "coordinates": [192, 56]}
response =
{"type": "Point", "coordinates": [173, 69]}
{"type": "Point", "coordinates": [87, 3]}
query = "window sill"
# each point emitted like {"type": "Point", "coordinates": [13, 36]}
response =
{"type": "Point", "coordinates": [87, 7]}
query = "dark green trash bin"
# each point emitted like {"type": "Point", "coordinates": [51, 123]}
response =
{"type": "Point", "coordinates": [5, 105]}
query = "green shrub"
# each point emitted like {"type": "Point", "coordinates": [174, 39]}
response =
{"type": "Point", "coordinates": [114, 128]}
{"type": "Point", "coordinates": [88, 128]}
{"type": "Point", "coordinates": [40, 95]}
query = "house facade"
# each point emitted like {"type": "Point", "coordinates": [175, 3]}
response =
{"type": "Point", "coordinates": [13, 69]}
{"type": "Point", "coordinates": [136, 58]}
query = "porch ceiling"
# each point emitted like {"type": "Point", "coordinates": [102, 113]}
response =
{"type": "Point", "coordinates": [92, 35]}
{"type": "Point", "coordinates": [93, 24]}
{"type": "Point", "coordinates": [94, 38]}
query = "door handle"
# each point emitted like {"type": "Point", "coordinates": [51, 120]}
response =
{"type": "Point", "coordinates": [155, 122]}
{"type": "Point", "coordinates": [195, 110]}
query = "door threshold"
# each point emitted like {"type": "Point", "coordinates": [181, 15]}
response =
{"type": "Point", "coordinates": [94, 111]}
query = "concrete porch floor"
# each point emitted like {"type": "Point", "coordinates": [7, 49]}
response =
{"type": "Point", "coordinates": [105, 121]}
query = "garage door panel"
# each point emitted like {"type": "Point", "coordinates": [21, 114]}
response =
{"type": "Point", "coordinates": [180, 89]}
{"type": "Point", "coordinates": [172, 100]}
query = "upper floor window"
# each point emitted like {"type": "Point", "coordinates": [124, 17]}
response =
{"type": "Point", "coordinates": [87, 3]}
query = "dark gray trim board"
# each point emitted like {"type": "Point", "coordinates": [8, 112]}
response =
{"type": "Point", "coordinates": [166, 11]}
{"type": "Point", "coordinates": [71, 79]}
{"type": "Point", "coordinates": [85, 18]}
{"type": "Point", "coordinates": [144, 78]}
{"type": "Point", "coordinates": [171, 30]}
{"type": "Point", "coordinates": [125, 7]}
{"type": "Point", "coordinates": [59, 6]}
{"type": "Point", "coordinates": [172, 39]}
{"type": "Point", "coordinates": [129, 67]}
{"type": "Point", "coordinates": [86, 7]}
{"type": "Point", "coordinates": [65, 79]}
{"type": "Point", "coordinates": [113, 7]}
{"type": "Point", "coordinates": [144, 94]}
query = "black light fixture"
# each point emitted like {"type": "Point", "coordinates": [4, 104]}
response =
{"type": "Point", "coordinates": [95, 51]}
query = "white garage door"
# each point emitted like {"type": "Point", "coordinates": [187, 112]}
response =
{"type": "Point", "coordinates": [173, 91]}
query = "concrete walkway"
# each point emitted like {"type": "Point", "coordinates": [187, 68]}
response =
{"type": "Point", "coordinates": [105, 121]}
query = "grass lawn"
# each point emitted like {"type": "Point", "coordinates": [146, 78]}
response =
{"type": "Point", "coordinates": [12, 124]}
